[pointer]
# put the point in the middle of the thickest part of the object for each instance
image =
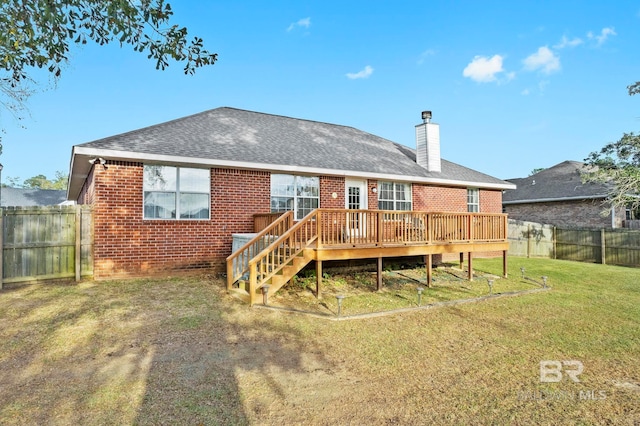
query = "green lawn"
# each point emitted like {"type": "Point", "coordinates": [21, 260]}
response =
{"type": "Point", "coordinates": [180, 351]}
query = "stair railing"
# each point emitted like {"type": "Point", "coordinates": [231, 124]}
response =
{"type": "Point", "coordinates": [238, 262]}
{"type": "Point", "coordinates": [281, 252]}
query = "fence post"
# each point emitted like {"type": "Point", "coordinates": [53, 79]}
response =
{"type": "Point", "coordinates": [602, 247]}
{"type": "Point", "coordinates": [78, 242]}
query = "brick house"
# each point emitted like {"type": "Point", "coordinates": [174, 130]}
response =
{"type": "Point", "coordinates": [557, 196]}
{"type": "Point", "coordinates": [169, 197]}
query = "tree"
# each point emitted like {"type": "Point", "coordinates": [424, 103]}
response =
{"type": "Point", "coordinates": [39, 33]}
{"type": "Point", "coordinates": [41, 182]}
{"type": "Point", "coordinates": [618, 164]}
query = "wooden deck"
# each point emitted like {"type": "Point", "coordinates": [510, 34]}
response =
{"type": "Point", "coordinates": [282, 248]}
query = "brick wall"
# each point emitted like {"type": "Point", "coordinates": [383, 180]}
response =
{"type": "Point", "coordinates": [128, 245]}
{"type": "Point", "coordinates": [571, 214]}
{"type": "Point", "coordinates": [328, 186]}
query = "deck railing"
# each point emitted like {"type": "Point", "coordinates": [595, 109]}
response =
{"type": "Point", "coordinates": [339, 227]}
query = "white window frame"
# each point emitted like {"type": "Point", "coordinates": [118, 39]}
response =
{"type": "Point", "coordinates": [294, 196]}
{"type": "Point", "coordinates": [396, 202]}
{"type": "Point", "coordinates": [473, 200]}
{"type": "Point", "coordinates": [178, 192]}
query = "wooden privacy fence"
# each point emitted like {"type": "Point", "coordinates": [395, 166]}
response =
{"type": "Point", "coordinates": [43, 243]}
{"type": "Point", "coordinates": [607, 246]}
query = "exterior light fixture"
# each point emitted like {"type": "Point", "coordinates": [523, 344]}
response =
{"type": "Point", "coordinates": [339, 298]}
{"type": "Point", "coordinates": [374, 189]}
{"type": "Point", "coordinates": [420, 290]}
{"type": "Point", "coordinates": [522, 271]}
{"type": "Point", "coordinates": [265, 294]}
{"type": "Point", "coordinates": [544, 281]}
{"type": "Point", "coordinates": [490, 282]}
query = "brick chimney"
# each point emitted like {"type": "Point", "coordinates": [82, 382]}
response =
{"type": "Point", "coordinates": [428, 143]}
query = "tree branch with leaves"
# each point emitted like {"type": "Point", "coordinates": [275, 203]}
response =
{"type": "Point", "coordinates": [39, 33]}
{"type": "Point", "coordinates": [618, 165]}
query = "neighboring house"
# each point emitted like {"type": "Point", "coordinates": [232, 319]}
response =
{"type": "Point", "coordinates": [19, 197]}
{"type": "Point", "coordinates": [169, 197]}
{"type": "Point", "coordinates": [557, 196]}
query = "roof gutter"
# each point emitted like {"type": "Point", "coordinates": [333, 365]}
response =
{"type": "Point", "coordinates": [79, 170]}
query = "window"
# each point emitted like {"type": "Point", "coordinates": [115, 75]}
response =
{"type": "Point", "coordinates": [176, 193]}
{"type": "Point", "coordinates": [301, 194]}
{"type": "Point", "coordinates": [631, 213]}
{"type": "Point", "coordinates": [394, 196]}
{"type": "Point", "coordinates": [473, 200]}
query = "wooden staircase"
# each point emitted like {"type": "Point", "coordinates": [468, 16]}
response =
{"type": "Point", "coordinates": [273, 257]}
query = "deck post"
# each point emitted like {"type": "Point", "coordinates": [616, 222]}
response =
{"type": "Point", "coordinates": [504, 264]}
{"type": "Point", "coordinates": [318, 277]}
{"type": "Point", "coordinates": [462, 261]}
{"type": "Point", "coordinates": [470, 265]}
{"type": "Point", "coordinates": [379, 275]}
{"type": "Point", "coordinates": [429, 262]}
{"type": "Point", "coordinates": [253, 282]}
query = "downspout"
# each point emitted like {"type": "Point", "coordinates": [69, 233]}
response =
{"type": "Point", "coordinates": [613, 217]}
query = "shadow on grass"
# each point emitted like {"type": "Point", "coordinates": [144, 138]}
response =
{"type": "Point", "coordinates": [139, 352]}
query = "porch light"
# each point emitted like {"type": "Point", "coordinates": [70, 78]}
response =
{"type": "Point", "coordinates": [374, 189]}
{"type": "Point", "coordinates": [544, 281]}
{"type": "Point", "coordinates": [265, 294]}
{"type": "Point", "coordinates": [420, 290]}
{"type": "Point", "coordinates": [339, 298]}
{"type": "Point", "coordinates": [490, 282]}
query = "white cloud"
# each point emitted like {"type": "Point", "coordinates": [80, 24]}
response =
{"type": "Point", "coordinates": [544, 60]}
{"type": "Point", "coordinates": [424, 55]}
{"type": "Point", "coordinates": [565, 42]}
{"type": "Point", "coordinates": [303, 23]}
{"type": "Point", "coordinates": [365, 73]}
{"type": "Point", "coordinates": [604, 35]}
{"type": "Point", "coordinates": [483, 69]}
{"type": "Point", "coordinates": [525, 92]}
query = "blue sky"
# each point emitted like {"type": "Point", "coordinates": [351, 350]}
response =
{"type": "Point", "coordinates": [514, 85]}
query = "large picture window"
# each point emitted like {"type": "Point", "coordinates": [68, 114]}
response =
{"type": "Point", "coordinates": [301, 194]}
{"type": "Point", "coordinates": [473, 200]}
{"type": "Point", "coordinates": [176, 193]}
{"type": "Point", "coordinates": [394, 196]}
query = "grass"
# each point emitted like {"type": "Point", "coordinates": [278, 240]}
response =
{"type": "Point", "coordinates": [180, 351]}
{"type": "Point", "coordinates": [399, 290]}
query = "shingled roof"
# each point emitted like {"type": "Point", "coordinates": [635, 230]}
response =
{"type": "Point", "coordinates": [229, 137]}
{"type": "Point", "coordinates": [19, 197]}
{"type": "Point", "coordinates": [561, 182]}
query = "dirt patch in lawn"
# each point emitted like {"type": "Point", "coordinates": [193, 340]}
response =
{"type": "Point", "coordinates": [401, 289]}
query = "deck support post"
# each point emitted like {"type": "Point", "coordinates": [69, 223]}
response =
{"type": "Point", "coordinates": [379, 274]}
{"type": "Point", "coordinates": [462, 261]}
{"type": "Point", "coordinates": [428, 266]}
{"type": "Point", "coordinates": [470, 266]}
{"type": "Point", "coordinates": [504, 264]}
{"type": "Point", "coordinates": [318, 277]}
